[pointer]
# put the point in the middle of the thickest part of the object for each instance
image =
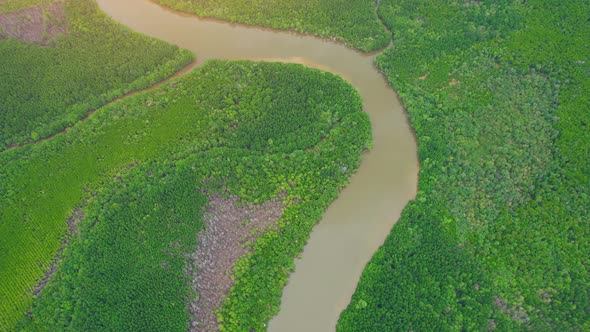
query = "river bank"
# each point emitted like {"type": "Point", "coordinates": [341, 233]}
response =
{"type": "Point", "coordinates": [356, 224]}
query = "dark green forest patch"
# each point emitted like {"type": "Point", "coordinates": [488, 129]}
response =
{"type": "Point", "coordinates": [498, 236]}
{"type": "Point", "coordinates": [46, 89]}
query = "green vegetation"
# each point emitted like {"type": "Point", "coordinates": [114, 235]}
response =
{"type": "Point", "coordinates": [252, 130]}
{"type": "Point", "coordinates": [352, 21]}
{"type": "Point", "coordinates": [499, 236]}
{"type": "Point", "coordinates": [46, 89]}
{"type": "Point", "coordinates": [125, 270]}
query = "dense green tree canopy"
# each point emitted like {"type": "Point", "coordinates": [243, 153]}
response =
{"type": "Point", "coordinates": [498, 236]}
{"type": "Point", "coordinates": [47, 88]}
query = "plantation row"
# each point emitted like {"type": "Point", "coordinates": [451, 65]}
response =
{"type": "Point", "coordinates": [351, 21]}
{"type": "Point", "coordinates": [499, 236]}
{"type": "Point", "coordinates": [241, 128]}
{"type": "Point", "coordinates": [46, 89]}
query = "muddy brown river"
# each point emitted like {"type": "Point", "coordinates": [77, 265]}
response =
{"type": "Point", "coordinates": [358, 222]}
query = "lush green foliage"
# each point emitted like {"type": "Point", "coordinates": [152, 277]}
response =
{"type": "Point", "coordinates": [124, 272]}
{"type": "Point", "coordinates": [45, 89]}
{"type": "Point", "coordinates": [252, 130]}
{"type": "Point", "coordinates": [498, 237]}
{"type": "Point", "coordinates": [352, 21]}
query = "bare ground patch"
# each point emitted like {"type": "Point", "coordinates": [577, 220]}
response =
{"type": "Point", "coordinates": [37, 25]}
{"type": "Point", "coordinates": [516, 313]}
{"type": "Point", "coordinates": [73, 223]}
{"type": "Point", "coordinates": [228, 229]}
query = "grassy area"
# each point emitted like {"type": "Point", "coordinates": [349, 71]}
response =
{"type": "Point", "coordinates": [47, 88]}
{"type": "Point", "coordinates": [251, 130]}
{"type": "Point", "coordinates": [498, 237]}
{"type": "Point", "coordinates": [352, 21]}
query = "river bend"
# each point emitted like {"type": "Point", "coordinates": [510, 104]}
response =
{"type": "Point", "coordinates": [356, 223]}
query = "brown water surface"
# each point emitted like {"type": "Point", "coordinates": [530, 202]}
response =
{"type": "Point", "coordinates": [357, 223]}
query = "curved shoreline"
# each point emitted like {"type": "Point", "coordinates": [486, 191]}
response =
{"type": "Point", "coordinates": [294, 31]}
{"type": "Point", "coordinates": [360, 219]}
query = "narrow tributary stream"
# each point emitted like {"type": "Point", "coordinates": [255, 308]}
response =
{"type": "Point", "coordinates": [357, 223]}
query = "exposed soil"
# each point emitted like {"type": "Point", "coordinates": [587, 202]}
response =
{"type": "Point", "coordinates": [516, 313]}
{"type": "Point", "coordinates": [73, 222]}
{"type": "Point", "coordinates": [228, 230]}
{"type": "Point", "coordinates": [37, 25]}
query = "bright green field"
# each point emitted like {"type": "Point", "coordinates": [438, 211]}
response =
{"type": "Point", "coordinates": [46, 89]}
{"type": "Point", "coordinates": [251, 129]}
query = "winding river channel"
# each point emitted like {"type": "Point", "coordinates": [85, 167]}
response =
{"type": "Point", "coordinates": [358, 222]}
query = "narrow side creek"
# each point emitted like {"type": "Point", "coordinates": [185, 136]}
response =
{"type": "Point", "coordinates": [358, 222]}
